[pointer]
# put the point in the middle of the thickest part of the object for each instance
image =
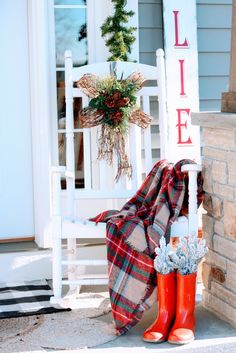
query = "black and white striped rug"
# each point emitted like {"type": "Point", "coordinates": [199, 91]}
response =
{"type": "Point", "coordinates": [26, 298]}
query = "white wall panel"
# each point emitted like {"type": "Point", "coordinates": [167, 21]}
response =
{"type": "Point", "coordinates": [16, 190]}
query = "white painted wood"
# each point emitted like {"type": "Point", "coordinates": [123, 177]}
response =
{"type": "Point", "coordinates": [87, 158]}
{"type": "Point", "coordinates": [100, 194]}
{"type": "Point", "coordinates": [16, 176]}
{"type": "Point", "coordinates": [163, 125]}
{"type": "Point", "coordinates": [96, 14]}
{"type": "Point", "coordinates": [51, 43]}
{"type": "Point", "coordinates": [192, 170]}
{"type": "Point", "coordinates": [125, 68]}
{"type": "Point", "coordinates": [89, 276]}
{"type": "Point", "coordinates": [192, 211]}
{"type": "Point", "coordinates": [94, 162]}
{"type": "Point", "coordinates": [90, 262]}
{"type": "Point", "coordinates": [83, 229]}
{"type": "Point", "coordinates": [57, 232]}
{"type": "Point", "coordinates": [180, 227]}
{"type": "Point", "coordinates": [88, 280]}
{"type": "Point", "coordinates": [42, 81]}
{"type": "Point", "coordinates": [147, 135]}
{"type": "Point", "coordinates": [103, 175]}
{"type": "Point", "coordinates": [146, 91]}
{"type": "Point", "coordinates": [86, 145]}
{"type": "Point", "coordinates": [135, 156]}
{"type": "Point", "coordinates": [56, 256]}
{"type": "Point", "coordinates": [70, 156]}
{"type": "Point", "coordinates": [180, 45]}
{"type": "Point", "coordinates": [70, 162]}
{"type": "Point", "coordinates": [71, 255]}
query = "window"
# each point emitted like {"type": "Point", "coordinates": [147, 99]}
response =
{"type": "Point", "coordinates": [74, 19]}
{"type": "Point", "coordinates": [70, 33]}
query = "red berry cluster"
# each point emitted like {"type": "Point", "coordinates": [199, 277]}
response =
{"type": "Point", "coordinates": [116, 117]}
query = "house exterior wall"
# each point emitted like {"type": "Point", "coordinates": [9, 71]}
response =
{"type": "Point", "coordinates": [150, 30]}
{"type": "Point", "coordinates": [214, 22]}
{"type": "Point", "coordinates": [213, 32]}
{"type": "Point", "coordinates": [150, 39]}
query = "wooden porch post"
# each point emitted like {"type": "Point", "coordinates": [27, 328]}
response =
{"type": "Point", "coordinates": [228, 101]}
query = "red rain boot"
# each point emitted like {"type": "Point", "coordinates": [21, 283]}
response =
{"type": "Point", "coordinates": [166, 289]}
{"type": "Point", "coordinates": [183, 330]}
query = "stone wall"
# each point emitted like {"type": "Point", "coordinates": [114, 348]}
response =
{"type": "Point", "coordinates": [219, 223]}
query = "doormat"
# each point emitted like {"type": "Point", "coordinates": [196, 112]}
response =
{"type": "Point", "coordinates": [88, 326]}
{"type": "Point", "coordinates": [26, 298]}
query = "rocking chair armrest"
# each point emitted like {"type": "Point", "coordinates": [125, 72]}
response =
{"type": "Point", "coordinates": [191, 168]}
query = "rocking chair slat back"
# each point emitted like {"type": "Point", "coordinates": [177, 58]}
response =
{"type": "Point", "coordinates": [99, 177]}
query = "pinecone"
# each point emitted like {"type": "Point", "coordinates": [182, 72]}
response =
{"type": "Point", "coordinates": [116, 117]}
{"type": "Point", "coordinates": [116, 95]}
{"type": "Point", "coordinates": [122, 102]}
{"type": "Point", "coordinates": [110, 102]}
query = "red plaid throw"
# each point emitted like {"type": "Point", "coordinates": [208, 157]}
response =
{"type": "Point", "coordinates": [134, 232]}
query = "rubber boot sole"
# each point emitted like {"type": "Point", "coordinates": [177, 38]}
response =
{"type": "Point", "coordinates": [180, 343]}
{"type": "Point", "coordinates": [151, 341]}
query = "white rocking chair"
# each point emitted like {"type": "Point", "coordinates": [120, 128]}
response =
{"type": "Point", "coordinates": [99, 177]}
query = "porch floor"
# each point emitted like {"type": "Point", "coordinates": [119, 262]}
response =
{"type": "Point", "coordinates": [212, 335]}
{"type": "Point", "coordinates": [18, 246]}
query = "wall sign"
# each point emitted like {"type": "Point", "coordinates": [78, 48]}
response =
{"type": "Point", "coordinates": [180, 45]}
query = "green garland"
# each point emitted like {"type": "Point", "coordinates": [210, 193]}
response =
{"type": "Point", "coordinates": [120, 37]}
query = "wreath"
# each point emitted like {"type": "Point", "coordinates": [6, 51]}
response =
{"type": "Point", "coordinates": [113, 106]}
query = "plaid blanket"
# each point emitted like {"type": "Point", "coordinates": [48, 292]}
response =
{"type": "Point", "coordinates": [134, 232]}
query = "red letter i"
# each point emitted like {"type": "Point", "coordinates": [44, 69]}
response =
{"type": "Point", "coordinates": [182, 93]}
